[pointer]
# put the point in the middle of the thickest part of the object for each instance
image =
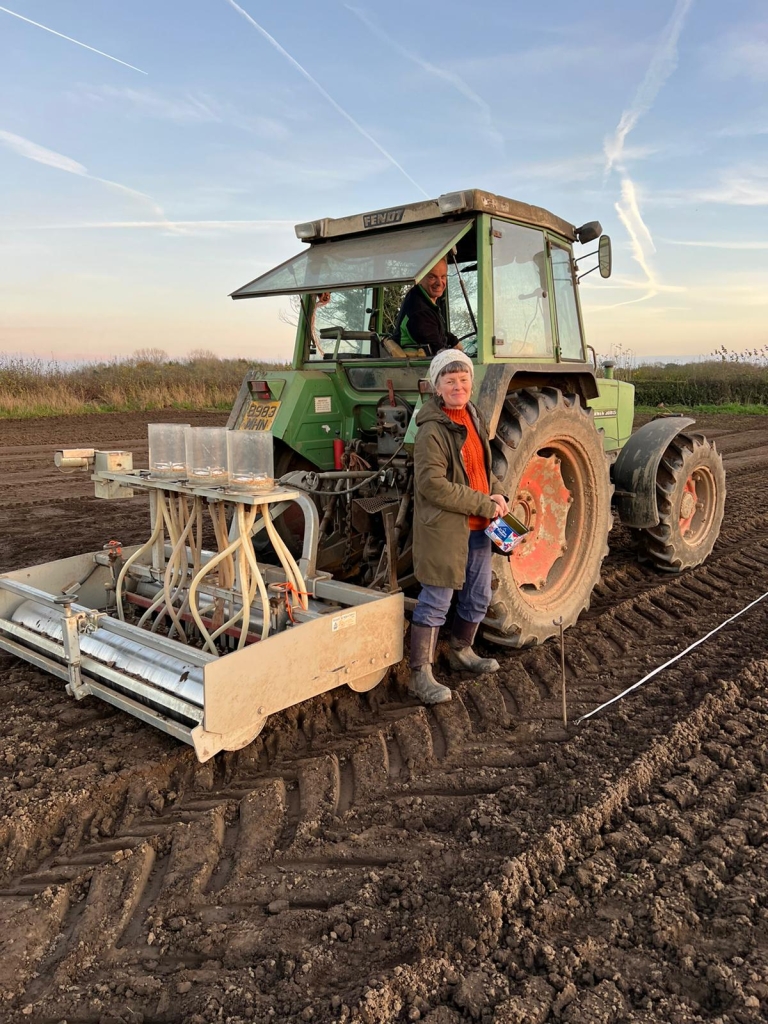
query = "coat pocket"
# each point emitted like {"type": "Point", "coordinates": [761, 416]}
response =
{"type": "Point", "coordinates": [431, 514]}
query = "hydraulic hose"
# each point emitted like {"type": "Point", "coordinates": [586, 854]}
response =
{"type": "Point", "coordinates": [349, 490]}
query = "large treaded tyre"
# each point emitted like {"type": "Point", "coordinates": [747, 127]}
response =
{"type": "Point", "coordinates": [551, 460]}
{"type": "Point", "coordinates": [690, 494]}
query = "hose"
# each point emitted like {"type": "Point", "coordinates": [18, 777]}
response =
{"type": "Point", "coordinates": [196, 545]}
{"type": "Point", "coordinates": [291, 569]}
{"type": "Point", "coordinates": [157, 530]}
{"type": "Point", "coordinates": [179, 549]}
{"type": "Point", "coordinates": [225, 556]}
{"type": "Point", "coordinates": [245, 584]}
{"type": "Point", "coordinates": [256, 572]}
{"type": "Point", "coordinates": [171, 524]}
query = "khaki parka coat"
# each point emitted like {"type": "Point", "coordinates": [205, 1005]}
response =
{"type": "Point", "coordinates": [443, 499]}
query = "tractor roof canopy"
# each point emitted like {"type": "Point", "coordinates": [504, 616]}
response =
{"type": "Point", "coordinates": [396, 245]}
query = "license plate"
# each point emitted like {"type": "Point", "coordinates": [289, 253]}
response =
{"type": "Point", "coordinates": [260, 416]}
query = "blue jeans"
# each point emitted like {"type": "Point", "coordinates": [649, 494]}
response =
{"type": "Point", "coordinates": [474, 597]}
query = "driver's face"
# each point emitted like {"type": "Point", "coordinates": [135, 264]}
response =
{"type": "Point", "coordinates": [435, 281]}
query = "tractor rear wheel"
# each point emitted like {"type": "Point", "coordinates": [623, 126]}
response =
{"type": "Point", "coordinates": [690, 494]}
{"type": "Point", "coordinates": [551, 461]}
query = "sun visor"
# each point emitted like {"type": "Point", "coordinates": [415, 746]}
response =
{"type": "Point", "coordinates": [389, 258]}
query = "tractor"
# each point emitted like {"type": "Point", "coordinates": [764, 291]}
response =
{"type": "Point", "coordinates": [310, 574]}
{"type": "Point", "coordinates": [342, 416]}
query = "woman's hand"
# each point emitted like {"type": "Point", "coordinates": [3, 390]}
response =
{"type": "Point", "coordinates": [502, 505]}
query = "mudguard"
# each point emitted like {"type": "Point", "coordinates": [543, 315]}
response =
{"type": "Point", "coordinates": [634, 472]}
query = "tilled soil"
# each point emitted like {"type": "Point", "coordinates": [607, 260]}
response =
{"type": "Point", "coordinates": [371, 860]}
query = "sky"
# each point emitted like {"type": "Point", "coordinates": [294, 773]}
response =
{"type": "Point", "coordinates": [154, 156]}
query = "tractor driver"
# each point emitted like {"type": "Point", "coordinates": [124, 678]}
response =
{"type": "Point", "coordinates": [420, 323]}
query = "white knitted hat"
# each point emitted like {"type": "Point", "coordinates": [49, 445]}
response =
{"type": "Point", "coordinates": [444, 358]}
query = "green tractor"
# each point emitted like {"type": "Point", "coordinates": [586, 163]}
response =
{"type": "Point", "coordinates": [343, 416]}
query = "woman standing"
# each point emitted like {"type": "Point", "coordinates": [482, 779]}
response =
{"type": "Point", "coordinates": [453, 506]}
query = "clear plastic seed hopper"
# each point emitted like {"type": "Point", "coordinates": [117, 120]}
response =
{"type": "Point", "coordinates": [202, 643]}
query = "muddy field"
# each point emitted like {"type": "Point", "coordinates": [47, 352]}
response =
{"type": "Point", "coordinates": [370, 860]}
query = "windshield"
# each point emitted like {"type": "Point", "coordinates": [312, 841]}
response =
{"type": "Point", "coordinates": [384, 258]}
{"type": "Point", "coordinates": [333, 316]}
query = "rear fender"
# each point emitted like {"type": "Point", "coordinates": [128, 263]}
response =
{"type": "Point", "coordinates": [501, 378]}
{"type": "Point", "coordinates": [634, 472]}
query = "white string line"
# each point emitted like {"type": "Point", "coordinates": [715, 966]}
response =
{"type": "Point", "coordinates": [671, 661]}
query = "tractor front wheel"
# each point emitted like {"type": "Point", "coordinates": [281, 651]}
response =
{"type": "Point", "coordinates": [690, 495]}
{"type": "Point", "coordinates": [551, 461]}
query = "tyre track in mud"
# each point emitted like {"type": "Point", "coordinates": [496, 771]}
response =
{"type": "Point", "coordinates": [197, 860]}
{"type": "Point", "coordinates": [323, 854]}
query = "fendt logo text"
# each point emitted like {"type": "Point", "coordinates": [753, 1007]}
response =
{"type": "Point", "coordinates": [380, 218]}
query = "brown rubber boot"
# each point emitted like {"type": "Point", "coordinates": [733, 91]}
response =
{"type": "Point", "coordinates": [461, 657]}
{"type": "Point", "coordinates": [422, 683]}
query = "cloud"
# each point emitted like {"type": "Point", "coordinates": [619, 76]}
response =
{"type": "Point", "coordinates": [182, 226]}
{"type": "Point", "coordinates": [444, 74]}
{"type": "Point", "coordinates": [537, 62]}
{"type": "Point", "coordinates": [71, 40]}
{"type": "Point", "coordinates": [191, 108]}
{"type": "Point", "coordinates": [50, 158]}
{"type": "Point", "coordinates": [737, 190]}
{"type": "Point", "coordinates": [743, 54]}
{"type": "Point", "coordinates": [757, 126]}
{"type": "Point", "coordinates": [720, 244]}
{"type": "Point", "coordinates": [567, 169]}
{"type": "Point", "coordinates": [326, 95]}
{"type": "Point", "coordinates": [188, 109]}
{"type": "Point", "coordinates": [740, 186]}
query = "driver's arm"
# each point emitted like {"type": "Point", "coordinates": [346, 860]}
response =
{"type": "Point", "coordinates": [425, 328]}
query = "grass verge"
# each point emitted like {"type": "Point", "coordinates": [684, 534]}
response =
{"type": "Point", "coordinates": [732, 408]}
{"type": "Point", "coordinates": [31, 389]}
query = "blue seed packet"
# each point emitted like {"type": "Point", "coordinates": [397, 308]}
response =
{"type": "Point", "coordinates": [506, 532]}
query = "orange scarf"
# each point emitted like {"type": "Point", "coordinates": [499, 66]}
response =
{"type": "Point", "coordinates": [473, 454]}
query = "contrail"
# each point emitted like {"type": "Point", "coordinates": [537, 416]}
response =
{"type": "Point", "coordinates": [663, 63]}
{"type": "Point", "coordinates": [327, 96]}
{"type": "Point", "coordinates": [31, 151]}
{"type": "Point", "coordinates": [447, 76]}
{"type": "Point", "coordinates": [71, 40]}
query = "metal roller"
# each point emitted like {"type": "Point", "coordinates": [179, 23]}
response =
{"type": "Point", "coordinates": [131, 656]}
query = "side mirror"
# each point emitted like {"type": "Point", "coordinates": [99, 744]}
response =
{"type": "Point", "coordinates": [605, 256]}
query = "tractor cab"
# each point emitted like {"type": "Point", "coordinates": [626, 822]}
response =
{"type": "Point", "coordinates": [511, 292]}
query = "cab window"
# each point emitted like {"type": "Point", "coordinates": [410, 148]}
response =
{"type": "Point", "coordinates": [461, 309]}
{"type": "Point", "coordinates": [521, 319]}
{"type": "Point", "coordinates": [568, 327]}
